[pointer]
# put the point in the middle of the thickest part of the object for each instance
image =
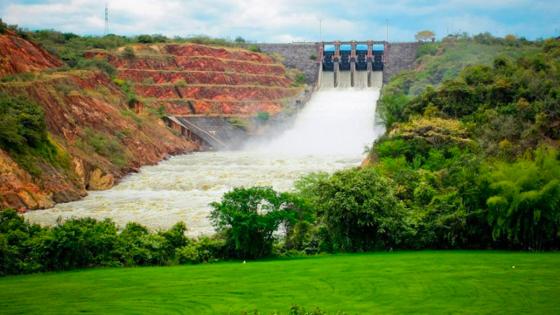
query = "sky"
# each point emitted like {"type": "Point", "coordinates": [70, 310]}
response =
{"type": "Point", "coordinates": [289, 20]}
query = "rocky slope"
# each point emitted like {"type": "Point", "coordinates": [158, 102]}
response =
{"type": "Point", "coordinates": [89, 122]}
{"type": "Point", "coordinates": [19, 55]}
{"type": "Point", "coordinates": [191, 79]}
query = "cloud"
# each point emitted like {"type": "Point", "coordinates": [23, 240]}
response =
{"type": "Point", "coordinates": [288, 20]}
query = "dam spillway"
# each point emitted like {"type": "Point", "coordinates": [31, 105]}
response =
{"type": "Point", "coordinates": [329, 134]}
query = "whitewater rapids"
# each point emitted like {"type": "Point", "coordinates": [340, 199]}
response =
{"type": "Point", "coordinates": [329, 134]}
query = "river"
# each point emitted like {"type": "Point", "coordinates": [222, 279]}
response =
{"type": "Point", "coordinates": [329, 134]}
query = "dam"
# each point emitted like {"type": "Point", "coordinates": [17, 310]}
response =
{"type": "Point", "coordinates": [328, 134]}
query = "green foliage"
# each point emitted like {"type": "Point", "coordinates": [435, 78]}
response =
{"type": "Point", "coordinates": [3, 27]}
{"type": "Point", "coordinates": [248, 218]}
{"type": "Point", "coordinates": [360, 210]}
{"type": "Point", "coordinates": [97, 64]}
{"type": "Point", "coordinates": [263, 117]}
{"type": "Point", "coordinates": [524, 209]}
{"type": "Point", "coordinates": [23, 134]}
{"type": "Point", "coordinates": [150, 39]}
{"type": "Point", "coordinates": [299, 79]}
{"type": "Point", "coordinates": [128, 53]}
{"type": "Point", "coordinates": [254, 48]}
{"type": "Point", "coordinates": [202, 250]}
{"type": "Point", "coordinates": [106, 146]}
{"type": "Point", "coordinates": [427, 49]}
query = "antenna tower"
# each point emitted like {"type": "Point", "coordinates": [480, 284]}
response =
{"type": "Point", "coordinates": [106, 31]}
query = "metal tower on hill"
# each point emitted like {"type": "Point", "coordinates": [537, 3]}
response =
{"type": "Point", "coordinates": [106, 31]}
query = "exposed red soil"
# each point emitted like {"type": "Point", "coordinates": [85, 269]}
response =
{"type": "Point", "coordinates": [208, 107]}
{"type": "Point", "coordinates": [215, 80]}
{"type": "Point", "coordinates": [204, 77]}
{"type": "Point", "coordinates": [241, 93]}
{"type": "Point", "coordinates": [201, 50]}
{"type": "Point", "coordinates": [19, 55]}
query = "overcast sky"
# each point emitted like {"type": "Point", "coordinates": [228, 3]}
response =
{"type": "Point", "coordinates": [289, 20]}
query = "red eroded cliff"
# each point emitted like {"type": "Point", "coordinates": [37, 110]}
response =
{"type": "Point", "coordinates": [98, 137]}
{"type": "Point", "coordinates": [19, 55]}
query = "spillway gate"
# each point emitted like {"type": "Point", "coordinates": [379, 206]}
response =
{"type": "Point", "coordinates": [350, 64]}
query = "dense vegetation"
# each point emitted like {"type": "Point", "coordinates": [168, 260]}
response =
{"type": "Point", "coordinates": [426, 282]}
{"type": "Point", "coordinates": [23, 134]}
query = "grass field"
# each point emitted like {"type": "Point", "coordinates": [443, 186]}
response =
{"type": "Point", "coordinates": [380, 283]}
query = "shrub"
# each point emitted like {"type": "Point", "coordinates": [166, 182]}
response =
{"type": "Point", "coordinates": [254, 48]}
{"type": "Point", "coordinates": [263, 117]}
{"type": "Point", "coordinates": [203, 250]}
{"type": "Point", "coordinates": [248, 218]}
{"type": "Point", "coordinates": [97, 64]}
{"type": "Point", "coordinates": [128, 53]}
{"type": "Point", "coordinates": [78, 243]}
{"type": "Point", "coordinates": [181, 83]}
{"type": "Point", "coordinates": [360, 211]}
{"type": "Point", "coordinates": [139, 247]}
{"type": "Point", "coordinates": [3, 27]}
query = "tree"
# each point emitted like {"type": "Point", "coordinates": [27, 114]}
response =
{"type": "Point", "coordinates": [248, 218]}
{"type": "Point", "coordinates": [360, 210]}
{"type": "Point", "coordinates": [424, 36]}
{"type": "Point", "coordinates": [524, 209]}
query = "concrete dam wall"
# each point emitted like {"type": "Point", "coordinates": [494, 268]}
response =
{"type": "Point", "coordinates": [302, 56]}
{"type": "Point", "coordinates": [398, 57]}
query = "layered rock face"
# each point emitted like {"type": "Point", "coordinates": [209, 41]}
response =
{"type": "Point", "coordinates": [191, 79]}
{"type": "Point", "coordinates": [89, 122]}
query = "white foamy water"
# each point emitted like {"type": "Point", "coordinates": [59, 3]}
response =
{"type": "Point", "coordinates": [329, 134]}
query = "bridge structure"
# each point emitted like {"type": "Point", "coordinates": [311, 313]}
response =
{"type": "Point", "coordinates": [350, 64]}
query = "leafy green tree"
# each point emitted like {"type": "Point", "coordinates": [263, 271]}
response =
{"type": "Point", "coordinates": [360, 211]}
{"type": "Point", "coordinates": [524, 209]}
{"type": "Point", "coordinates": [248, 218]}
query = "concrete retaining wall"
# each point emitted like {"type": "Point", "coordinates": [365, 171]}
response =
{"type": "Point", "coordinates": [297, 55]}
{"type": "Point", "coordinates": [398, 57]}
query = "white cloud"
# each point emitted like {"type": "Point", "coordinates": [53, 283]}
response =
{"type": "Point", "coordinates": [284, 20]}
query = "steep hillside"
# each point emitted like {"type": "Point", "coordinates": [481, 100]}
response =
{"type": "Point", "coordinates": [187, 79]}
{"type": "Point", "coordinates": [19, 55]}
{"type": "Point", "coordinates": [94, 138]}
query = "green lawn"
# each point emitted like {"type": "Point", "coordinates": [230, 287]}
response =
{"type": "Point", "coordinates": [403, 282]}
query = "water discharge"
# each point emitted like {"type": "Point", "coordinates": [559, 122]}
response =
{"type": "Point", "coordinates": [329, 134]}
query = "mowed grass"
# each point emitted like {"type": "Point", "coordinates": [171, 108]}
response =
{"type": "Point", "coordinates": [379, 283]}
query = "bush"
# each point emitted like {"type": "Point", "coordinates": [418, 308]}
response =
{"type": "Point", "coordinates": [263, 117]}
{"type": "Point", "coordinates": [97, 64]}
{"type": "Point", "coordinates": [3, 27]}
{"type": "Point", "coordinates": [203, 250]}
{"type": "Point", "coordinates": [248, 218]}
{"type": "Point", "coordinates": [360, 211]}
{"type": "Point", "coordinates": [78, 243]}
{"type": "Point", "coordinates": [128, 53]}
{"type": "Point", "coordinates": [254, 48]}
